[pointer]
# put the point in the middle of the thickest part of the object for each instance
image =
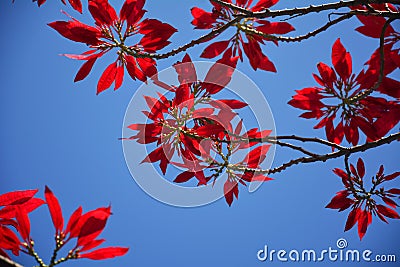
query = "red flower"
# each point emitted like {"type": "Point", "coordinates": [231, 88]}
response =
{"type": "Point", "coordinates": [76, 4]}
{"type": "Point", "coordinates": [113, 31]}
{"type": "Point", "coordinates": [16, 205]}
{"type": "Point", "coordinates": [375, 116]}
{"type": "Point", "coordinates": [362, 202]}
{"type": "Point", "coordinates": [237, 44]}
{"type": "Point", "coordinates": [85, 227]}
{"type": "Point", "coordinates": [195, 127]}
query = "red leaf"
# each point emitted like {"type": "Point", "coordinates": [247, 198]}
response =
{"type": "Point", "coordinates": [340, 201]}
{"type": "Point", "coordinates": [148, 66]}
{"type": "Point", "coordinates": [391, 176]}
{"type": "Point", "coordinates": [132, 11]}
{"type": "Point", "coordinates": [210, 130]}
{"type": "Point", "coordinates": [119, 77]}
{"type": "Point", "coordinates": [77, 31]}
{"type": "Point", "coordinates": [220, 74]}
{"type": "Point", "coordinates": [388, 212]}
{"type": "Point", "coordinates": [202, 19]}
{"type": "Point", "coordinates": [230, 189]}
{"type": "Point", "coordinates": [133, 70]}
{"type": "Point", "coordinates": [85, 69]}
{"type": "Point", "coordinates": [360, 168]}
{"type": "Point", "coordinates": [17, 197]}
{"type": "Point", "coordinates": [341, 59]}
{"type": "Point", "coordinates": [92, 244]}
{"type": "Point", "coordinates": [24, 226]}
{"type": "Point", "coordinates": [364, 219]}
{"type": "Point", "coordinates": [390, 202]}
{"type": "Point", "coordinates": [394, 191]}
{"type": "Point", "coordinates": [256, 156]}
{"type": "Point", "coordinates": [8, 212]}
{"type": "Point", "coordinates": [231, 103]}
{"type": "Point", "coordinates": [76, 4]}
{"type": "Point", "coordinates": [102, 12]}
{"type": "Point", "coordinates": [275, 27]}
{"type": "Point", "coordinates": [215, 49]}
{"type": "Point", "coordinates": [327, 74]}
{"type": "Point", "coordinates": [184, 177]}
{"type": "Point", "coordinates": [185, 70]}
{"type": "Point", "coordinates": [105, 253]}
{"type": "Point", "coordinates": [73, 223]}
{"type": "Point", "coordinates": [107, 78]}
{"type": "Point", "coordinates": [92, 224]}
{"type": "Point", "coordinates": [55, 210]}
{"type": "Point", "coordinates": [264, 4]}
{"type": "Point", "coordinates": [352, 219]}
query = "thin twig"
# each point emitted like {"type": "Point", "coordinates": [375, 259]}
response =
{"type": "Point", "coordinates": [350, 150]}
{"type": "Point", "coordinates": [183, 48]}
{"type": "Point", "coordinates": [5, 262]}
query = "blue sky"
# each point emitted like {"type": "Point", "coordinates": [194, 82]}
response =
{"type": "Point", "coordinates": [59, 133]}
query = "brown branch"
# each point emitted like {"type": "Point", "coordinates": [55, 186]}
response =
{"type": "Point", "coordinates": [183, 48]}
{"type": "Point", "coordinates": [5, 262]}
{"type": "Point", "coordinates": [300, 37]}
{"type": "Point", "coordinates": [312, 9]}
{"type": "Point", "coordinates": [347, 151]}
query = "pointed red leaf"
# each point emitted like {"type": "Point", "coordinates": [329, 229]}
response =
{"type": "Point", "coordinates": [24, 226]}
{"type": "Point", "coordinates": [391, 176]}
{"type": "Point", "coordinates": [105, 253]}
{"type": "Point", "coordinates": [107, 78]}
{"type": "Point", "coordinates": [352, 219]}
{"type": "Point", "coordinates": [17, 197]}
{"type": "Point", "coordinates": [76, 4]}
{"type": "Point", "coordinates": [341, 59]}
{"type": "Point", "coordinates": [55, 210]}
{"type": "Point", "coordinates": [388, 212]}
{"type": "Point", "coordinates": [215, 49]}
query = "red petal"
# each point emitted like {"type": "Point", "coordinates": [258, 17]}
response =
{"type": "Point", "coordinates": [202, 19]}
{"type": "Point", "coordinates": [102, 12]}
{"type": "Point", "coordinates": [264, 4]}
{"type": "Point", "coordinates": [390, 202]}
{"type": "Point", "coordinates": [92, 244]}
{"type": "Point", "coordinates": [72, 223]}
{"type": "Point", "coordinates": [341, 59]}
{"type": "Point", "coordinates": [76, 4]}
{"type": "Point", "coordinates": [215, 49]}
{"type": "Point", "coordinates": [132, 11]}
{"type": "Point", "coordinates": [24, 226]}
{"type": "Point", "coordinates": [352, 219]}
{"type": "Point", "coordinates": [395, 191]}
{"type": "Point", "coordinates": [184, 177]}
{"type": "Point", "coordinates": [55, 210]}
{"type": "Point", "coordinates": [105, 253]}
{"type": "Point", "coordinates": [107, 78]}
{"type": "Point", "coordinates": [360, 168]}
{"type": "Point", "coordinates": [275, 27]}
{"type": "Point", "coordinates": [230, 188]}
{"type": "Point", "coordinates": [17, 197]}
{"type": "Point", "coordinates": [77, 31]}
{"type": "Point", "coordinates": [186, 70]}
{"type": "Point", "coordinates": [391, 176]}
{"type": "Point", "coordinates": [92, 224]}
{"type": "Point", "coordinates": [85, 69]}
{"type": "Point", "coordinates": [388, 212]}
{"type": "Point", "coordinates": [232, 103]}
{"type": "Point", "coordinates": [119, 77]}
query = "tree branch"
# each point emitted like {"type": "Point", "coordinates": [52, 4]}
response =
{"type": "Point", "coordinates": [5, 262]}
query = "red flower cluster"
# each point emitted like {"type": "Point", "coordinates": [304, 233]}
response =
{"type": "Point", "coordinates": [221, 15]}
{"type": "Point", "coordinates": [343, 91]}
{"type": "Point", "coordinates": [199, 129]}
{"type": "Point", "coordinates": [15, 205]}
{"type": "Point", "coordinates": [113, 31]}
{"type": "Point", "coordinates": [361, 201]}
{"type": "Point", "coordinates": [84, 227]}
{"type": "Point", "coordinates": [76, 4]}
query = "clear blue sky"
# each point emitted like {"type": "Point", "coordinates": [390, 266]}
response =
{"type": "Point", "coordinates": [60, 134]}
